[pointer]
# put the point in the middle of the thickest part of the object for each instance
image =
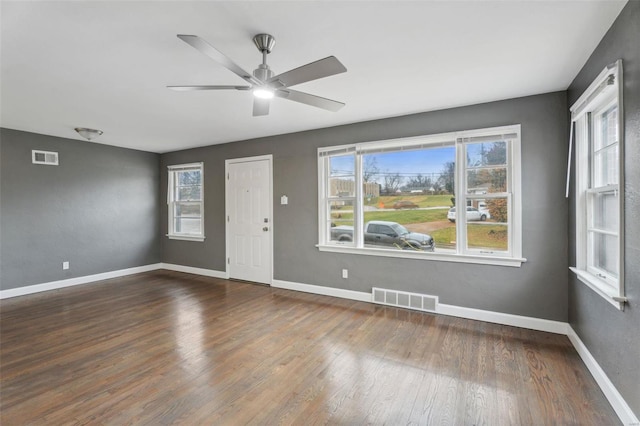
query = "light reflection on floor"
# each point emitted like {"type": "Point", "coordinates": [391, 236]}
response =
{"type": "Point", "coordinates": [357, 382]}
{"type": "Point", "coordinates": [189, 334]}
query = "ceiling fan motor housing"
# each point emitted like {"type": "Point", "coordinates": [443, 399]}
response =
{"type": "Point", "coordinates": [263, 72]}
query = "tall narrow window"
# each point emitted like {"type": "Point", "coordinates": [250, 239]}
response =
{"type": "Point", "coordinates": [599, 195]}
{"type": "Point", "coordinates": [185, 199]}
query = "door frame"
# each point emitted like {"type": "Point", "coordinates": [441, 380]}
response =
{"type": "Point", "coordinates": [269, 159]}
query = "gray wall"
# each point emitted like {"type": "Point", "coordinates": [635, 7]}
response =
{"type": "Point", "coordinates": [612, 336]}
{"type": "Point", "coordinates": [99, 209]}
{"type": "Point", "coordinates": [537, 289]}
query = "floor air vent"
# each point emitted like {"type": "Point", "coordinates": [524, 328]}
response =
{"type": "Point", "coordinates": [403, 299]}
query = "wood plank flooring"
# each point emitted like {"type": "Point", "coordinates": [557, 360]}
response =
{"type": "Point", "coordinates": [165, 348]}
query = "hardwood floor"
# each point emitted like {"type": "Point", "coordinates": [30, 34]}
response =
{"type": "Point", "coordinates": [170, 348]}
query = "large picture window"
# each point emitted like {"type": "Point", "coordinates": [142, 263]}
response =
{"type": "Point", "coordinates": [185, 199]}
{"type": "Point", "coordinates": [599, 193]}
{"type": "Point", "coordinates": [403, 198]}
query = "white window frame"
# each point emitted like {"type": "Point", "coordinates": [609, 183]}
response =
{"type": "Point", "coordinates": [512, 257]}
{"type": "Point", "coordinates": [605, 91]}
{"type": "Point", "coordinates": [171, 202]}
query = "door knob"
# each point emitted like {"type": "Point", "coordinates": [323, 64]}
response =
{"type": "Point", "coordinates": [265, 229]}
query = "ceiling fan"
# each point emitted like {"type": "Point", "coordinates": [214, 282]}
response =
{"type": "Point", "coordinates": [263, 83]}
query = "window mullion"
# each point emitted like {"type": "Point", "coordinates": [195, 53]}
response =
{"type": "Point", "coordinates": [326, 237]}
{"type": "Point", "coordinates": [460, 185]}
{"type": "Point", "coordinates": [358, 214]}
{"type": "Point", "coordinates": [510, 224]}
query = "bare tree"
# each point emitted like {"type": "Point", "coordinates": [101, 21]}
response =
{"type": "Point", "coordinates": [370, 169]}
{"type": "Point", "coordinates": [419, 182]}
{"type": "Point", "coordinates": [392, 182]}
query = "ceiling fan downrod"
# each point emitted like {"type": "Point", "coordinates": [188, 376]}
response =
{"type": "Point", "coordinates": [264, 43]}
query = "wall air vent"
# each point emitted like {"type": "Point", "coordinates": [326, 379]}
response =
{"type": "Point", "coordinates": [44, 157]}
{"type": "Point", "coordinates": [403, 299]}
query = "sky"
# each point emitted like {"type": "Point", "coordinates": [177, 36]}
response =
{"type": "Point", "coordinates": [427, 162]}
{"type": "Point", "coordinates": [407, 163]}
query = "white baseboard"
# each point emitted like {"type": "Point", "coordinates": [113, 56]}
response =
{"type": "Point", "coordinates": [192, 270]}
{"type": "Point", "coordinates": [54, 285]}
{"type": "Point", "coordinates": [616, 400]}
{"type": "Point", "coordinates": [451, 310]}
{"type": "Point", "coordinates": [531, 323]}
{"type": "Point", "coordinates": [325, 291]}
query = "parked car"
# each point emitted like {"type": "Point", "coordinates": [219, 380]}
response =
{"type": "Point", "coordinates": [384, 233]}
{"type": "Point", "coordinates": [405, 204]}
{"type": "Point", "coordinates": [473, 214]}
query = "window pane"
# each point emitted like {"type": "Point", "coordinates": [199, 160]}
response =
{"type": "Point", "coordinates": [487, 236]}
{"type": "Point", "coordinates": [412, 191]}
{"type": "Point", "coordinates": [487, 225]}
{"type": "Point", "coordinates": [606, 124]}
{"type": "Point", "coordinates": [605, 167]}
{"type": "Point", "coordinates": [341, 220]}
{"type": "Point", "coordinates": [605, 211]}
{"type": "Point", "coordinates": [190, 192]}
{"type": "Point", "coordinates": [191, 177]}
{"type": "Point", "coordinates": [187, 210]}
{"type": "Point", "coordinates": [188, 185]}
{"type": "Point", "coordinates": [604, 252]}
{"type": "Point", "coordinates": [187, 226]}
{"type": "Point", "coordinates": [342, 182]}
{"type": "Point", "coordinates": [496, 210]}
{"type": "Point", "coordinates": [341, 212]}
{"type": "Point", "coordinates": [482, 181]}
{"type": "Point", "coordinates": [486, 154]}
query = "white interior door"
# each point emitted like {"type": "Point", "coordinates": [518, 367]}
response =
{"type": "Point", "coordinates": [249, 241]}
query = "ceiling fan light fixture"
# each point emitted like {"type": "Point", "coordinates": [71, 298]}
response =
{"type": "Point", "coordinates": [88, 134]}
{"type": "Point", "coordinates": [263, 93]}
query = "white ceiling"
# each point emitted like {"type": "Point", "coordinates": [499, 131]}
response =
{"type": "Point", "coordinates": [105, 64]}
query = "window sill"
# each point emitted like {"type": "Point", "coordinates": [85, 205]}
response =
{"type": "Point", "coordinates": [185, 237]}
{"type": "Point", "coordinates": [597, 285]}
{"type": "Point", "coordinates": [441, 257]}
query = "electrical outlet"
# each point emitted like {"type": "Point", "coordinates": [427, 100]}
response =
{"type": "Point", "coordinates": [65, 266]}
{"type": "Point", "coordinates": [345, 273]}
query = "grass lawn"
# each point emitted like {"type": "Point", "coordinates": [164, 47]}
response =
{"type": "Point", "coordinates": [421, 200]}
{"type": "Point", "coordinates": [480, 236]}
{"type": "Point", "coordinates": [444, 237]}
{"type": "Point", "coordinates": [407, 216]}
{"type": "Point", "coordinates": [400, 216]}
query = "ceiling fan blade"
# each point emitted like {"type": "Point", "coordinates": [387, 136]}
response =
{"type": "Point", "coordinates": [306, 98]}
{"type": "Point", "coordinates": [260, 107]}
{"type": "Point", "coordinates": [205, 48]}
{"type": "Point", "coordinates": [190, 88]}
{"type": "Point", "coordinates": [313, 71]}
